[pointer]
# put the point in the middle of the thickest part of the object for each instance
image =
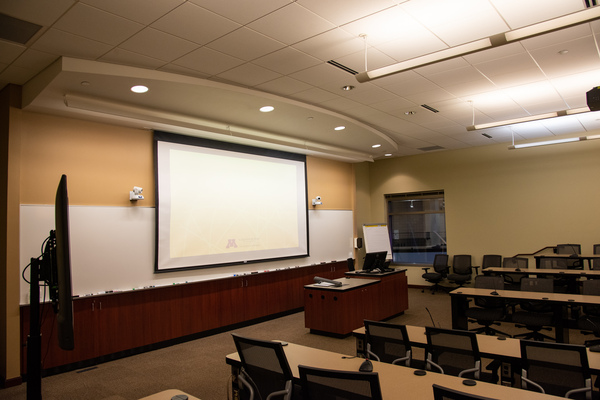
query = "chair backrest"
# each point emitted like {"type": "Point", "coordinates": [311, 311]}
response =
{"type": "Point", "coordinates": [489, 282]}
{"type": "Point", "coordinates": [596, 261]}
{"type": "Point", "coordinates": [440, 263]}
{"type": "Point", "coordinates": [327, 384]}
{"type": "Point", "coordinates": [553, 263]}
{"type": "Point", "coordinates": [491, 261]}
{"type": "Point", "coordinates": [265, 363]}
{"type": "Point", "coordinates": [388, 342]}
{"type": "Point", "coordinates": [461, 264]}
{"type": "Point", "coordinates": [537, 285]}
{"type": "Point", "coordinates": [515, 262]}
{"type": "Point", "coordinates": [444, 393]}
{"type": "Point", "coordinates": [568, 248]}
{"type": "Point", "coordinates": [453, 352]}
{"type": "Point", "coordinates": [554, 368]}
{"type": "Point", "coordinates": [591, 288]}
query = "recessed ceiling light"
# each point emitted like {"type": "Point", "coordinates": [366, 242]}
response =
{"type": "Point", "coordinates": [347, 87]}
{"type": "Point", "coordinates": [410, 113]}
{"type": "Point", "coordinates": [339, 128]}
{"type": "Point", "coordinates": [376, 146]}
{"type": "Point", "coordinates": [388, 155]}
{"type": "Point", "coordinates": [139, 89]}
{"type": "Point", "coordinates": [267, 109]}
{"type": "Point", "coordinates": [85, 83]}
{"type": "Point", "coordinates": [563, 52]}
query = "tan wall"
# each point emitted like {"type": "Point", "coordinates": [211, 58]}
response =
{"type": "Point", "coordinates": [333, 181]}
{"type": "Point", "coordinates": [501, 201]}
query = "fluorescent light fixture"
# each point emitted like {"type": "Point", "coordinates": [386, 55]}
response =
{"type": "Point", "coordinates": [556, 141]}
{"type": "Point", "coordinates": [529, 118]}
{"type": "Point", "coordinates": [541, 28]}
{"type": "Point", "coordinates": [555, 24]}
{"type": "Point", "coordinates": [431, 58]}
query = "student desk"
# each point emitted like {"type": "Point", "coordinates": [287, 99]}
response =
{"type": "Point", "coordinates": [580, 257]}
{"type": "Point", "coordinates": [594, 273]}
{"type": "Point", "coordinates": [505, 350]}
{"type": "Point", "coordinates": [396, 381]}
{"type": "Point", "coordinates": [460, 302]}
{"type": "Point", "coordinates": [170, 394]}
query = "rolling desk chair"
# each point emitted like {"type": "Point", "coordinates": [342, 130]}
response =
{"type": "Point", "coordinates": [556, 368]}
{"type": "Point", "coordinates": [440, 271]}
{"type": "Point", "coordinates": [488, 310]}
{"type": "Point", "coordinates": [388, 343]}
{"type": "Point", "coordinates": [265, 371]}
{"type": "Point", "coordinates": [444, 393]}
{"type": "Point", "coordinates": [570, 249]}
{"type": "Point", "coordinates": [327, 384]}
{"type": "Point", "coordinates": [513, 281]}
{"type": "Point", "coordinates": [452, 352]}
{"type": "Point", "coordinates": [535, 315]}
{"type": "Point", "coordinates": [596, 261]}
{"type": "Point", "coordinates": [589, 320]}
{"type": "Point", "coordinates": [462, 270]}
{"type": "Point", "coordinates": [491, 261]}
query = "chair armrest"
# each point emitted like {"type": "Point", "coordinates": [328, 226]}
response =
{"type": "Point", "coordinates": [425, 269]}
{"type": "Point", "coordinates": [430, 363]}
{"type": "Point", "coordinates": [525, 381]}
{"type": "Point", "coordinates": [476, 269]}
{"type": "Point", "coordinates": [285, 392]}
{"type": "Point", "coordinates": [246, 384]}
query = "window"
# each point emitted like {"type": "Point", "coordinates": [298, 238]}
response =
{"type": "Point", "coordinates": [417, 226]}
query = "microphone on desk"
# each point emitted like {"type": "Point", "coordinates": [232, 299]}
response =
{"type": "Point", "coordinates": [366, 366]}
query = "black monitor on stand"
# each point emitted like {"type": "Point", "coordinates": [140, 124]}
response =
{"type": "Point", "coordinates": [375, 260]}
{"type": "Point", "coordinates": [53, 269]}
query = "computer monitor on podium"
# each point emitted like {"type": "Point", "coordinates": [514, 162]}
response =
{"type": "Point", "coordinates": [375, 260]}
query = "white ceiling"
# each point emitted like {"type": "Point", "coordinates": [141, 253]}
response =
{"type": "Point", "coordinates": [210, 64]}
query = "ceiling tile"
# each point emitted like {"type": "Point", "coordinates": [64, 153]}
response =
{"type": "Point", "coordinates": [10, 51]}
{"type": "Point", "coordinates": [582, 56]}
{"type": "Point", "coordinates": [126, 57]}
{"type": "Point", "coordinates": [208, 61]}
{"type": "Point", "coordinates": [477, 19]}
{"type": "Point", "coordinates": [184, 22]}
{"type": "Point", "coordinates": [249, 75]}
{"type": "Point", "coordinates": [330, 45]}
{"type": "Point", "coordinates": [283, 86]}
{"type": "Point", "coordinates": [287, 61]}
{"type": "Point", "coordinates": [90, 22]}
{"type": "Point", "coordinates": [513, 70]}
{"type": "Point", "coordinates": [518, 13]}
{"type": "Point", "coordinates": [43, 13]}
{"type": "Point", "coordinates": [63, 43]}
{"type": "Point", "coordinates": [341, 12]}
{"type": "Point", "coordinates": [160, 45]}
{"type": "Point", "coordinates": [291, 24]}
{"type": "Point", "coordinates": [246, 44]}
{"type": "Point", "coordinates": [141, 11]}
{"type": "Point", "coordinates": [244, 11]}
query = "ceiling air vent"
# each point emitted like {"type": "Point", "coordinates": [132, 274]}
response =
{"type": "Point", "coordinates": [431, 148]}
{"type": "Point", "coordinates": [425, 106]}
{"type": "Point", "coordinates": [486, 135]}
{"type": "Point", "coordinates": [342, 67]}
{"type": "Point", "coordinates": [16, 30]}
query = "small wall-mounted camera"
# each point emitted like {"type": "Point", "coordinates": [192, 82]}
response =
{"type": "Point", "coordinates": [317, 201]}
{"type": "Point", "coordinates": [136, 194]}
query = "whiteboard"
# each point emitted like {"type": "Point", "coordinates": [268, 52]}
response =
{"type": "Point", "coordinates": [112, 248]}
{"type": "Point", "coordinates": [377, 238]}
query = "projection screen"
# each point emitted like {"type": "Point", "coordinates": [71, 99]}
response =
{"type": "Point", "coordinates": [221, 203]}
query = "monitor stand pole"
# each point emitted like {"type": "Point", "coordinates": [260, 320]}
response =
{"type": "Point", "coordinates": [34, 340]}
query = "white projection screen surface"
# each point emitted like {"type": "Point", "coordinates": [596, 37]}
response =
{"type": "Point", "coordinates": [222, 204]}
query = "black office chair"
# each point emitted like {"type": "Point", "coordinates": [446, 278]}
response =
{"type": "Point", "coordinates": [491, 261]}
{"type": "Point", "coordinates": [570, 249]}
{"type": "Point", "coordinates": [488, 310]}
{"type": "Point", "coordinates": [596, 261]}
{"type": "Point", "coordinates": [513, 281]}
{"type": "Point", "coordinates": [440, 271]}
{"type": "Point", "coordinates": [535, 315]}
{"type": "Point", "coordinates": [388, 343]}
{"type": "Point", "coordinates": [556, 368]}
{"type": "Point", "coordinates": [327, 384]}
{"type": "Point", "coordinates": [452, 352]}
{"type": "Point", "coordinates": [462, 269]}
{"type": "Point", "coordinates": [444, 393]}
{"type": "Point", "coordinates": [589, 320]}
{"type": "Point", "coordinates": [265, 371]}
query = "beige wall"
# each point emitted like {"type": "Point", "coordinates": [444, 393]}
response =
{"type": "Point", "coordinates": [500, 201]}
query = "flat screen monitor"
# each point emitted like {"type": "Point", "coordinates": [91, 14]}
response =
{"type": "Point", "coordinates": [64, 301]}
{"type": "Point", "coordinates": [375, 260]}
